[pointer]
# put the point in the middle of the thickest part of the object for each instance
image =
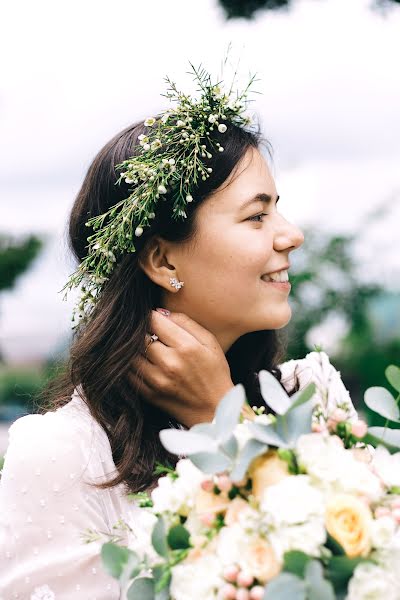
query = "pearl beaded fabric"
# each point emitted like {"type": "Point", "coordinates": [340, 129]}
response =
{"type": "Point", "coordinates": [46, 503]}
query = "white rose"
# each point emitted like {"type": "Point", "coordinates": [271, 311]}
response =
{"type": "Point", "coordinates": [229, 544]}
{"type": "Point", "coordinates": [372, 582]}
{"type": "Point", "coordinates": [382, 532]}
{"type": "Point", "coordinates": [387, 466]}
{"type": "Point", "coordinates": [197, 580]}
{"type": "Point", "coordinates": [291, 501]}
{"type": "Point", "coordinates": [330, 392]}
{"type": "Point", "coordinates": [308, 537]}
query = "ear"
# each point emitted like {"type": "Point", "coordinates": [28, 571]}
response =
{"type": "Point", "coordinates": [157, 261]}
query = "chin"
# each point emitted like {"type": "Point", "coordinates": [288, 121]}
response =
{"type": "Point", "coordinates": [279, 320]}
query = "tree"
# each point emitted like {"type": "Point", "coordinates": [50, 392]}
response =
{"type": "Point", "coordinates": [15, 258]}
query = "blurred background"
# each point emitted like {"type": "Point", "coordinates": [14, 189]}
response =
{"type": "Point", "coordinates": [75, 73]}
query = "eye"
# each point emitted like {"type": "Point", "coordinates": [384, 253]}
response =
{"type": "Point", "coordinates": [257, 217]}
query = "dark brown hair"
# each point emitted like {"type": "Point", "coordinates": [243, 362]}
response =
{"type": "Point", "coordinates": [106, 346]}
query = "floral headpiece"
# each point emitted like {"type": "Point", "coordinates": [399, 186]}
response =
{"type": "Point", "coordinates": [171, 159]}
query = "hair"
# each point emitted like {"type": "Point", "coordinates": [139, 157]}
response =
{"type": "Point", "coordinates": [105, 347]}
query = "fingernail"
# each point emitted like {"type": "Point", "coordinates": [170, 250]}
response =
{"type": "Point", "coordinates": [163, 311]}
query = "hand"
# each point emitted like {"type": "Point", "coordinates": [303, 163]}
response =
{"type": "Point", "coordinates": [184, 372]}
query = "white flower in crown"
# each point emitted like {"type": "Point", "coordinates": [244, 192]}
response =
{"type": "Point", "coordinates": [149, 122]}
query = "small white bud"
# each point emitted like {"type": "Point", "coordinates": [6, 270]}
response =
{"type": "Point", "coordinates": [209, 170]}
{"type": "Point", "coordinates": [146, 146]}
{"type": "Point", "coordinates": [220, 149]}
{"type": "Point", "coordinates": [189, 198]}
{"type": "Point", "coordinates": [138, 231]}
{"type": "Point", "coordinates": [171, 161]}
{"type": "Point", "coordinates": [162, 189]}
{"type": "Point", "coordinates": [222, 127]}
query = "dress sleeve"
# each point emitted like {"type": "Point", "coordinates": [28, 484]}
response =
{"type": "Point", "coordinates": [46, 503]}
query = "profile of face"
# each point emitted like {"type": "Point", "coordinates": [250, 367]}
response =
{"type": "Point", "coordinates": [240, 237]}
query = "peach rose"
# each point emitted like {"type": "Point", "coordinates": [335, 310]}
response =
{"type": "Point", "coordinates": [265, 470]}
{"type": "Point", "coordinates": [259, 560]}
{"type": "Point", "coordinates": [237, 506]}
{"type": "Point", "coordinates": [208, 502]}
{"type": "Point", "coordinates": [348, 521]}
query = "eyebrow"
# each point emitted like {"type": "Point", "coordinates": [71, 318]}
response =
{"type": "Point", "coordinates": [257, 198]}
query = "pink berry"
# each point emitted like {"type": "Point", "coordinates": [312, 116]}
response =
{"type": "Point", "coordinates": [359, 428]}
{"type": "Point", "coordinates": [228, 592]}
{"type": "Point", "coordinates": [317, 427]}
{"type": "Point", "coordinates": [231, 573]}
{"type": "Point", "coordinates": [207, 485]}
{"type": "Point", "coordinates": [207, 519]}
{"type": "Point", "coordinates": [257, 593]}
{"type": "Point", "coordinates": [224, 483]}
{"type": "Point", "coordinates": [245, 579]}
{"type": "Point", "coordinates": [242, 594]}
{"type": "Point", "coordinates": [396, 514]}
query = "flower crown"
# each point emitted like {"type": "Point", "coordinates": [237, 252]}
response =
{"type": "Point", "coordinates": [171, 159]}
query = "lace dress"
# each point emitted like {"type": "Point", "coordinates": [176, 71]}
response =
{"type": "Point", "coordinates": [46, 502]}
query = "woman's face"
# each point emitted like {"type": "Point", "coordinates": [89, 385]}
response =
{"type": "Point", "coordinates": [235, 246]}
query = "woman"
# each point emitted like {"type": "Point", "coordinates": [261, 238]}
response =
{"type": "Point", "coordinates": [192, 311]}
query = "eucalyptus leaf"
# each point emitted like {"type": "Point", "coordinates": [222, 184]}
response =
{"type": "Point", "coordinates": [115, 558]}
{"type": "Point", "coordinates": [388, 437]}
{"type": "Point", "coordinates": [159, 538]}
{"type": "Point", "coordinates": [318, 587]}
{"type": "Point", "coordinates": [273, 393]}
{"type": "Point", "coordinates": [302, 396]}
{"type": "Point", "coordinates": [295, 423]}
{"type": "Point", "coordinates": [230, 447]}
{"type": "Point", "coordinates": [266, 434]}
{"type": "Point", "coordinates": [178, 441]}
{"type": "Point", "coordinates": [285, 586]}
{"type": "Point", "coordinates": [206, 428]}
{"type": "Point", "coordinates": [393, 376]}
{"type": "Point", "coordinates": [250, 450]}
{"type": "Point", "coordinates": [381, 401]}
{"type": "Point", "coordinates": [228, 412]}
{"type": "Point", "coordinates": [141, 589]}
{"type": "Point", "coordinates": [211, 463]}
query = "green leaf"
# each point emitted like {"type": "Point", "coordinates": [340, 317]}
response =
{"type": "Point", "coordinates": [211, 463]}
{"type": "Point", "coordinates": [273, 393]}
{"type": "Point", "coordinates": [178, 442]}
{"type": "Point", "coordinates": [250, 450]}
{"type": "Point", "coordinates": [318, 587]}
{"type": "Point", "coordinates": [178, 537]}
{"type": "Point", "coordinates": [390, 438]}
{"type": "Point", "coordinates": [228, 412]}
{"type": "Point", "coordinates": [116, 558]}
{"type": "Point", "coordinates": [334, 546]}
{"type": "Point", "coordinates": [295, 562]}
{"type": "Point", "coordinates": [141, 589]}
{"type": "Point", "coordinates": [340, 569]}
{"type": "Point", "coordinates": [285, 586]}
{"type": "Point", "coordinates": [159, 538]}
{"type": "Point", "coordinates": [381, 401]}
{"type": "Point", "coordinates": [393, 376]}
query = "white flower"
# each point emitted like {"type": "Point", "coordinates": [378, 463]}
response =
{"type": "Point", "coordinates": [335, 469]}
{"type": "Point", "coordinates": [189, 198]}
{"type": "Point", "coordinates": [307, 537]}
{"type": "Point", "coordinates": [387, 466]}
{"type": "Point", "coordinates": [149, 122]}
{"type": "Point", "coordinates": [162, 189]}
{"type": "Point", "coordinates": [382, 532]}
{"type": "Point", "coordinates": [372, 582]}
{"type": "Point", "coordinates": [330, 392]}
{"type": "Point", "coordinates": [292, 501]}
{"type": "Point", "coordinates": [212, 118]}
{"type": "Point", "coordinates": [222, 128]}
{"type": "Point", "coordinates": [156, 144]}
{"type": "Point", "coordinates": [229, 545]}
{"type": "Point", "coordinates": [138, 231]}
{"type": "Point", "coordinates": [197, 580]}
{"type": "Point", "coordinates": [43, 593]}
{"type": "Point", "coordinates": [177, 495]}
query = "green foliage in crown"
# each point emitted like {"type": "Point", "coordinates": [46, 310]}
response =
{"type": "Point", "coordinates": [171, 159]}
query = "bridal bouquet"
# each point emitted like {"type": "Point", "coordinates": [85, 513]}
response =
{"type": "Point", "coordinates": [303, 504]}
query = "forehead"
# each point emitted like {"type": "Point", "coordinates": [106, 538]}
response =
{"type": "Point", "coordinates": [252, 176]}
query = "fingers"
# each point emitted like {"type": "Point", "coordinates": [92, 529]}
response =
{"type": "Point", "coordinates": [178, 330]}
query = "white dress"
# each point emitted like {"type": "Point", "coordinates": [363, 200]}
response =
{"type": "Point", "coordinates": [46, 502]}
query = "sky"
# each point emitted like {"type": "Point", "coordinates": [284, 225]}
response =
{"type": "Point", "coordinates": [75, 73]}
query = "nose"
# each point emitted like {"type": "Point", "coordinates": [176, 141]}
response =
{"type": "Point", "coordinates": [287, 236]}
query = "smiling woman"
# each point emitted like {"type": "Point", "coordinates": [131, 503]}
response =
{"type": "Point", "coordinates": [219, 275]}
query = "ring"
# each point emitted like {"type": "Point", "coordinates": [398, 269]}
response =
{"type": "Point", "coordinates": [153, 338]}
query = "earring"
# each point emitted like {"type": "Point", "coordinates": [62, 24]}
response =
{"type": "Point", "coordinates": [175, 283]}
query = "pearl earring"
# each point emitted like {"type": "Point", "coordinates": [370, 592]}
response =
{"type": "Point", "coordinates": [175, 283]}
